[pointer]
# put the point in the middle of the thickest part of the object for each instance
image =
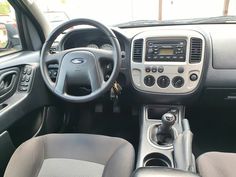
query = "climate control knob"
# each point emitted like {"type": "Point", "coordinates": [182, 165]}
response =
{"type": "Point", "coordinates": [163, 81]}
{"type": "Point", "coordinates": [149, 80]}
{"type": "Point", "coordinates": [178, 82]}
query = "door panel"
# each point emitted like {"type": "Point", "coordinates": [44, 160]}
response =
{"type": "Point", "coordinates": [23, 98]}
{"type": "Point", "coordinates": [22, 102]}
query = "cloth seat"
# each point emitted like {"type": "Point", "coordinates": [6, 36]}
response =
{"type": "Point", "coordinates": [217, 164]}
{"type": "Point", "coordinates": [72, 155]}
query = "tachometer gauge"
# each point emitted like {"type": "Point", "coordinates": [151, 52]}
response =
{"type": "Point", "coordinates": [107, 47]}
{"type": "Point", "coordinates": [93, 46]}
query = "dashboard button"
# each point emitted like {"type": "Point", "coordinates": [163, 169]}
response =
{"type": "Point", "coordinates": [148, 69]}
{"type": "Point", "coordinates": [160, 69]}
{"type": "Point", "coordinates": [168, 57]}
{"type": "Point", "coordinates": [174, 57]}
{"type": "Point", "coordinates": [150, 44]}
{"type": "Point", "coordinates": [178, 82]}
{"type": "Point", "coordinates": [155, 57]}
{"type": "Point", "coordinates": [149, 80]}
{"type": "Point", "coordinates": [154, 69]}
{"type": "Point", "coordinates": [181, 69]}
{"type": "Point", "coordinates": [181, 57]}
{"type": "Point", "coordinates": [163, 81]}
{"type": "Point", "coordinates": [149, 57]}
{"type": "Point", "coordinates": [193, 77]}
{"type": "Point", "coordinates": [162, 57]}
{"type": "Point", "coordinates": [150, 50]}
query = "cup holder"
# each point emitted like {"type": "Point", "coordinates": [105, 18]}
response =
{"type": "Point", "coordinates": [156, 160]}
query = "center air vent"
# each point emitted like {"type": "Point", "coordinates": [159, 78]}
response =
{"type": "Point", "coordinates": [195, 50]}
{"type": "Point", "coordinates": [138, 50]}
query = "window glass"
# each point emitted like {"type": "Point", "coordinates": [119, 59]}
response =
{"type": "Point", "coordinates": [116, 12]}
{"type": "Point", "coordinates": [9, 35]}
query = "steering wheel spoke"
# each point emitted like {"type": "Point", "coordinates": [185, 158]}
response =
{"type": "Point", "coordinates": [54, 58]}
{"type": "Point", "coordinates": [60, 82]}
{"type": "Point", "coordinates": [96, 78]}
{"type": "Point", "coordinates": [102, 54]}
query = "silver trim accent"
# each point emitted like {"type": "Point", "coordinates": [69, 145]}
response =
{"type": "Point", "coordinates": [170, 68]}
{"type": "Point", "coordinates": [170, 146]}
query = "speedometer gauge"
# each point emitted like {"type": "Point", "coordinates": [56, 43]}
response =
{"type": "Point", "coordinates": [93, 46]}
{"type": "Point", "coordinates": [107, 47]}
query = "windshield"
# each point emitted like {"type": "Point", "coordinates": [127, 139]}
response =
{"type": "Point", "coordinates": [114, 12]}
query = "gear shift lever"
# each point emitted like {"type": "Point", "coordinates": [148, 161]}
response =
{"type": "Point", "coordinates": [165, 133]}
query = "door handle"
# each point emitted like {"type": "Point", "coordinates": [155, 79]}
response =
{"type": "Point", "coordinates": [7, 82]}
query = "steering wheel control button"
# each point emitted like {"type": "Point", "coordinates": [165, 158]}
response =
{"type": "Point", "coordinates": [154, 69]}
{"type": "Point", "coordinates": [160, 69]}
{"type": "Point", "coordinates": [163, 81]}
{"type": "Point", "coordinates": [149, 80]}
{"type": "Point", "coordinates": [148, 69]}
{"type": "Point", "coordinates": [181, 70]}
{"type": "Point", "coordinates": [193, 77]}
{"type": "Point", "coordinates": [178, 82]}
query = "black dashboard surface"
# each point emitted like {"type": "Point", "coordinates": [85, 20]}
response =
{"type": "Point", "coordinates": [219, 71]}
{"type": "Point", "coordinates": [88, 38]}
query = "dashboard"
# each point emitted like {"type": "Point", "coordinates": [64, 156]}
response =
{"type": "Point", "coordinates": [169, 63]}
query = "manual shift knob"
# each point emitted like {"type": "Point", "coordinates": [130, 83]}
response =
{"type": "Point", "coordinates": [165, 132]}
{"type": "Point", "coordinates": [168, 120]}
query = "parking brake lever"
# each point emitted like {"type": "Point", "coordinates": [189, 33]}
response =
{"type": "Point", "coordinates": [183, 149]}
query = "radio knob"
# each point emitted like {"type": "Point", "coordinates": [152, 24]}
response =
{"type": "Point", "coordinates": [178, 82]}
{"type": "Point", "coordinates": [193, 77]}
{"type": "Point", "coordinates": [149, 80]}
{"type": "Point", "coordinates": [163, 81]}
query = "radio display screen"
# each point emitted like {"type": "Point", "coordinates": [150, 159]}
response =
{"type": "Point", "coordinates": [164, 51]}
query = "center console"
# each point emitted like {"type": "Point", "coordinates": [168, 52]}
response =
{"type": "Point", "coordinates": [167, 61]}
{"type": "Point", "coordinates": [165, 147]}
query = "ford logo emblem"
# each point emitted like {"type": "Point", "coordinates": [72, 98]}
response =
{"type": "Point", "coordinates": [77, 60]}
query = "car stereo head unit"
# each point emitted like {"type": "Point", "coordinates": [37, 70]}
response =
{"type": "Point", "coordinates": [166, 50]}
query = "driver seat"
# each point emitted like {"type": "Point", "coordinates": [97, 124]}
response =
{"type": "Point", "coordinates": [72, 155]}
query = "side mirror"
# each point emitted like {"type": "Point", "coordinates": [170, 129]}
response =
{"type": "Point", "coordinates": [4, 41]}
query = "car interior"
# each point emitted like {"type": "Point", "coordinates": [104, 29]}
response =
{"type": "Point", "coordinates": [139, 99]}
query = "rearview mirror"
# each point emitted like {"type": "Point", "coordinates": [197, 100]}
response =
{"type": "Point", "coordinates": [3, 36]}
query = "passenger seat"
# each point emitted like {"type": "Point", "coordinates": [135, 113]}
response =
{"type": "Point", "coordinates": [217, 164]}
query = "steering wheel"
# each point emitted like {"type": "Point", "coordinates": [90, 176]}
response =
{"type": "Point", "coordinates": [80, 66]}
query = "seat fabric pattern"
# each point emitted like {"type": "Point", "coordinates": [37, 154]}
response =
{"type": "Point", "coordinates": [72, 155]}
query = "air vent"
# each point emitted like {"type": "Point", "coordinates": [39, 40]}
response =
{"type": "Point", "coordinates": [195, 50]}
{"type": "Point", "coordinates": [138, 50]}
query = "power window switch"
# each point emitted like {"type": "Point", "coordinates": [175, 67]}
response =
{"type": "Point", "coordinates": [23, 89]}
